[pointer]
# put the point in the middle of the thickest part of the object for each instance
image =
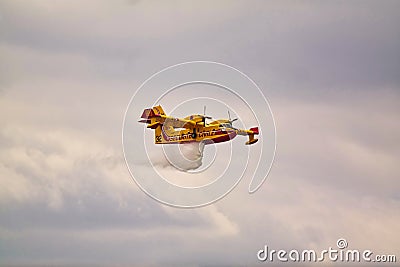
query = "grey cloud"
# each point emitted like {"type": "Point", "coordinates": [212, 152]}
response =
{"type": "Point", "coordinates": [320, 44]}
{"type": "Point", "coordinates": [329, 70]}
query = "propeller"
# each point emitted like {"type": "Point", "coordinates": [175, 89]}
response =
{"type": "Point", "coordinates": [204, 114]}
{"type": "Point", "coordinates": [229, 116]}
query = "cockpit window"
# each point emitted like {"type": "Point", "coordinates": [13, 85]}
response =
{"type": "Point", "coordinates": [226, 125]}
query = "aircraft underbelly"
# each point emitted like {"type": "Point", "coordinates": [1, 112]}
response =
{"type": "Point", "coordinates": [224, 137]}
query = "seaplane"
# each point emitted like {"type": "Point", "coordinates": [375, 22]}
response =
{"type": "Point", "coordinates": [193, 128]}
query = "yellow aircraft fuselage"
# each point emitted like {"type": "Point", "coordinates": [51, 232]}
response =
{"type": "Point", "coordinates": [170, 130]}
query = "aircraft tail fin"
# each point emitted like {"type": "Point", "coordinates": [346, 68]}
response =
{"type": "Point", "coordinates": [153, 116]}
{"type": "Point", "coordinates": [150, 113]}
{"type": "Point", "coordinates": [253, 131]}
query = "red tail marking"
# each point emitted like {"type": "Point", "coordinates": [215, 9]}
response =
{"type": "Point", "coordinates": [254, 129]}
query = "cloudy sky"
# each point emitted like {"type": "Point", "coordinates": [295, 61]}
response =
{"type": "Point", "coordinates": [330, 70]}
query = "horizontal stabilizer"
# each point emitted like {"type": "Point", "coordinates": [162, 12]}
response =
{"type": "Point", "coordinates": [153, 125]}
{"type": "Point", "coordinates": [145, 121]}
{"type": "Point", "coordinates": [250, 142]}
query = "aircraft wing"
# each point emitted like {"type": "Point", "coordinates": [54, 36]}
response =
{"type": "Point", "coordinates": [177, 122]}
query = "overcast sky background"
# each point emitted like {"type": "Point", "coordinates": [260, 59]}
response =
{"type": "Point", "coordinates": [330, 70]}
